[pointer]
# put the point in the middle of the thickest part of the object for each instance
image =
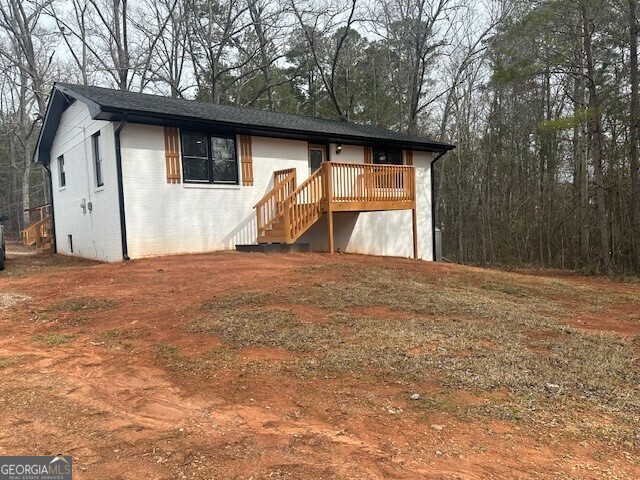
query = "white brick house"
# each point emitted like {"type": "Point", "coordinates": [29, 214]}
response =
{"type": "Point", "coordinates": [136, 175]}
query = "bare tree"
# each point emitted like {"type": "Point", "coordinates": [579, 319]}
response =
{"type": "Point", "coordinates": [634, 127]}
{"type": "Point", "coordinates": [112, 51]}
{"type": "Point", "coordinates": [26, 57]}
{"type": "Point", "coordinates": [74, 27]}
{"type": "Point", "coordinates": [317, 23]}
{"type": "Point", "coordinates": [596, 137]}
{"type": "Point", "coordinates": [470, 51]}
{"type": "Point", "coordinates": [148, 39]}
{"type": "Point", "coordinates": [167, 65]}
{"type": "Point", "coordinates": [213, 29]}
{"type": "Point", "coordinates": [101, 29]}
{"type": "Point", "coordinates": [416, 31]}
{"type": "Point", "coordinates": [114, 39]}
{"type": "Point", "coordinates": [266, 20]}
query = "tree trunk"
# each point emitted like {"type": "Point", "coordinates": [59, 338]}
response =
{"type": "Point", "coordinates": [580, 160]}
{"type": "Point", "coordinates": [633, 132]}
{"type": "Point", "coordinates": [595, 134]}
{"type": "Point", "coordinates": [26, 173]}
{"type": "Point", "coordinates": [263, 43]}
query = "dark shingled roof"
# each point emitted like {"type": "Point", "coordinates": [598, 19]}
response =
{"type": "Point", "coordinates": [108, 104]}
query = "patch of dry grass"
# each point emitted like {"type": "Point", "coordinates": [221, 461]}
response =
{"type": "Point", "coordinates": [9, 299]}
{"type": "Point", "coordinates": [118, 334]}
{"type": "Point", "coordinates": [586, 293]}
{"type": "Point", "coordinates": [206, 365]}
{"type": "Point", "coordinates": [53, 339]}
{"type": "Point", "coordinates": [254, 324]}
{"type": "Point", "coordinates": [11, 361]}
{"type": "Point", "coordinates": [84, 304]}
{"type": "Point", "coordinates": [120, 339]}
{"type": "Point", "coordinates": [481, 336]}
{"type": "Point", "coordinates": [357, 287]}
{"type": "Point", "coordinates": [73, 311]}
{"type": "Point", "coordinates": [239, 300]}
{"type": "Point", "coordinates": [21, 266]}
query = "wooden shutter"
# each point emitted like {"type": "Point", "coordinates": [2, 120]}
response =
{"type": "Point", "coordinates": [368, 155]}
{"type": "Point", "coordinates": [409, 157]}
{"type": "Point", "coordinates": [246, 159]}
{"type": "Point", "coordinates": [172, 154]}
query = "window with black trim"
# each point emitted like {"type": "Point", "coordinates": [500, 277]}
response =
{"type": "Point", "coordinates": [62, 175]}
{"type": "Point", "coordinates": [209, 158]}
{"type": "Point", "coordinates": [387, 156]}
{"type": "Point", "coordinates": [97, 158]}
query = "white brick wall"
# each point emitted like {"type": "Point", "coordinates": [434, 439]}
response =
{"type": "Point", "coordinates": [95, 233]}
{"type": "Point", "coordinates": [167, 218]}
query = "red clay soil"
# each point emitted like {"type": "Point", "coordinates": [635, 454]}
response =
{"type": "Point", "coordinates": [109, 402]}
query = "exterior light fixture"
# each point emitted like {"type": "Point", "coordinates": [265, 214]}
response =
{"type": "Point", "coordinates": [338, 149]}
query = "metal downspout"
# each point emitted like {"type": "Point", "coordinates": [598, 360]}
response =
{"type": "Point", "coordinates": [123, 223]}
{"type": "Point", "coordinates": [433, 204]}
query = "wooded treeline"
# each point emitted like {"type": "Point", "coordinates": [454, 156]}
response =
{"type": "Point", "coordinates": [540, 97]}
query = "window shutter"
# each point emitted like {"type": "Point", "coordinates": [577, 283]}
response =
{"type": "Point", "coordinates": [246, 160]}
{"type": "Point", "coordinates": [409, 157]}
{"type": "Point", "coordinates": [368, 155]}
{"type": "Point", "coordinates": [172, 154]}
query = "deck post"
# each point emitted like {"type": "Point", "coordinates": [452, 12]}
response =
{"type": "Point", "coordinates": [330, 228]}
{"type": "Point", "coordinates": [415, 233]}
{"type": "Point", "coordinates": [328, 180]}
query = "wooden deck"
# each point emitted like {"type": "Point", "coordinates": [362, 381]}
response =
{"type": "Point", "coordinates": [369, 187]}
{"type": "Point", "coordinates": [288, 211]}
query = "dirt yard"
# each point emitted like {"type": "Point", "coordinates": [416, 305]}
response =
{"type": "Point", "coordinates": [304, 367]}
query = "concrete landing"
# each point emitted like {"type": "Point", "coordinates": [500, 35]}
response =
{"type": "Point", "coordinates": [274, 248]}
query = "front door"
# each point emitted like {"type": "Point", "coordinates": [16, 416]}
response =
{"type": "Point", "coordinates": [317, 155]}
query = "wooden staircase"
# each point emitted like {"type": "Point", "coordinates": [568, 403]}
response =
{"type": "Point", "coordinates": [270, 210]}
{"type": "Point", "coordinates": [288, 211]}
{"type": "Point", "coordinates": [39, 231]}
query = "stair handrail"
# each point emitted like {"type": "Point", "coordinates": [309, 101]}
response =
{"type": "Point", "coordinates": [270, 207]}
{"type": "Point", "coordinates": [304, 206]}
{"type": "Point", "coordinates": [280, 175]}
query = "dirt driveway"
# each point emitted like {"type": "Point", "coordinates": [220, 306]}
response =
{"type": "Point", "coordinates": [304, 366]}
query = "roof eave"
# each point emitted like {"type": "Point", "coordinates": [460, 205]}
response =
{"type": "Point", "coordinates": [137, 116]}
{"type": "Point", "coordinates": [59, 101]}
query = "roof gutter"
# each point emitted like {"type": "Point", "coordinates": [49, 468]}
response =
{"type": "Point", "coordinates": [433, 204]}
{"type": "Point", "coordinates": [123, 222]}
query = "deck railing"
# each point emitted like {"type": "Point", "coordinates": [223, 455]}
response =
{"type": "Point", "coordinates": [270, 209]}
{"type": "Point", "coordinates": [38, 213]}
{"type": "Point", "coordinates": [372, 183]}
{"type": "Point", "coordinates": [280, 175]}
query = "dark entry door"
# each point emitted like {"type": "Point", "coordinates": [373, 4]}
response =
{"type": "Point", "coordinates": [317, 155]}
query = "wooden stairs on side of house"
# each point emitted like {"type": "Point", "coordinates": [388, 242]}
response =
{"type": "Point", "coordinates": [287, 211]}
{"type": "Point", "coordinates": [39, 231]}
